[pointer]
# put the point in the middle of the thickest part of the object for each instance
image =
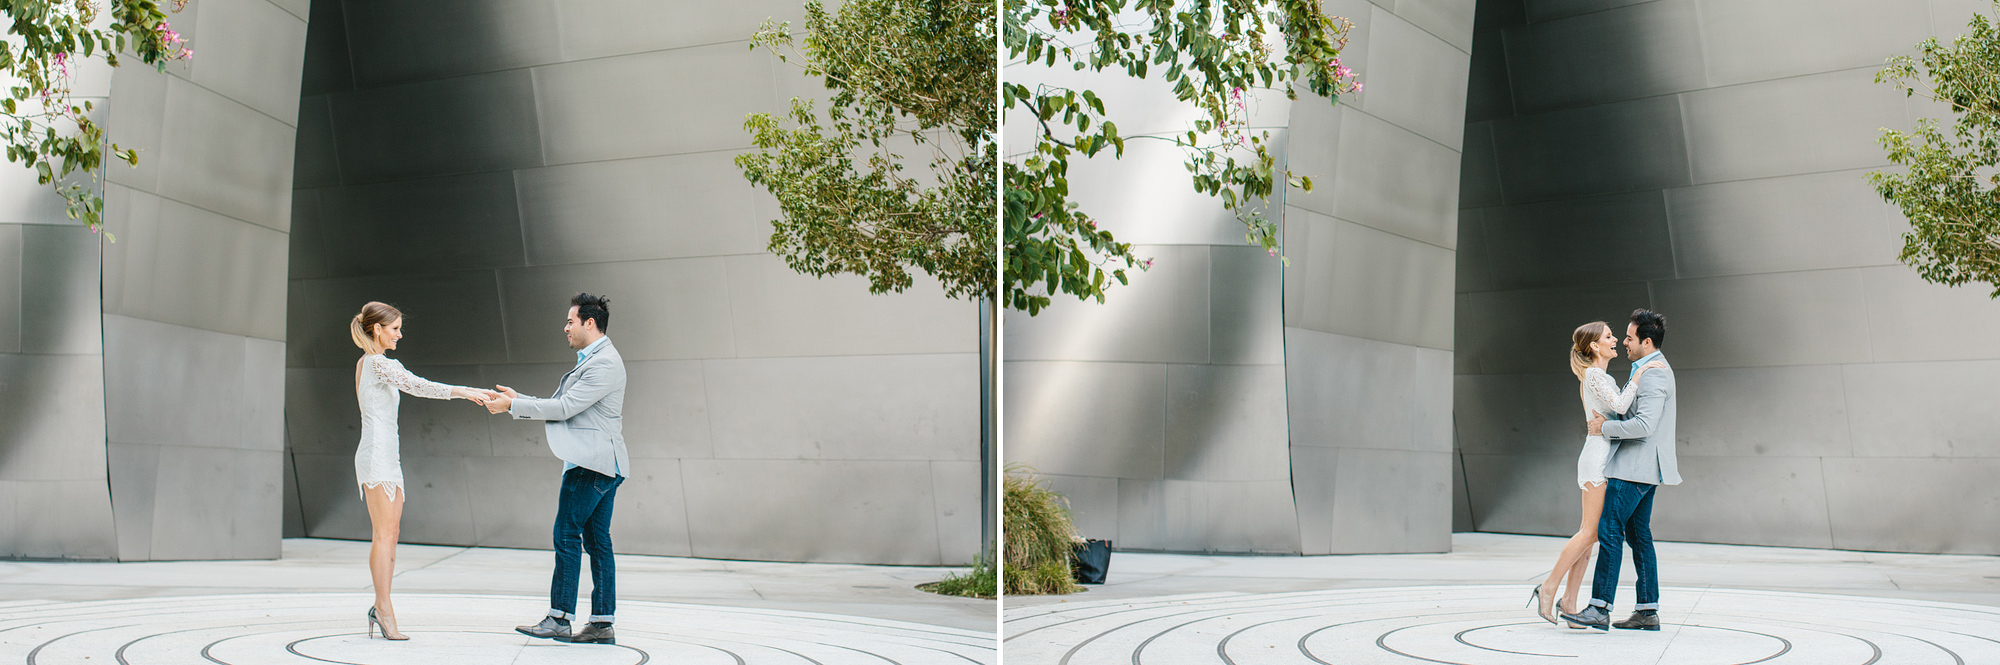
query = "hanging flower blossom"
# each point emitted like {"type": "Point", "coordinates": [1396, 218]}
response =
{"type": "Point", "coordinates": [59, 139]}
{"type": "Point", "coordinates": [173, 43]}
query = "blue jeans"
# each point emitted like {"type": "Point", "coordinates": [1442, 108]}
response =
{"type": "Point", "coordinates": [583, 523]}
{"type": "Point", "coordinates": [1628, 515]}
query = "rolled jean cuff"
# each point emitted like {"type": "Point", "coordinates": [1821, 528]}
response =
{"type": "Point", "coordinates": [602, 619]}
{"type": "Point", "coordinates": [562, 615]}
{"type": "Point", "coordinates": [1599, 603]}
{"type": "Point", "coordinates": [1648, 606]}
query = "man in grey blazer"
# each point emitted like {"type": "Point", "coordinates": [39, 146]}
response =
{"type": "Point", "coordinates": [1641, 461]}
{"type": "Point", "coordinates": [582, 423]}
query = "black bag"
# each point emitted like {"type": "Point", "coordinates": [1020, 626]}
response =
{"type": "Point", "coordinates": [1090, 561]}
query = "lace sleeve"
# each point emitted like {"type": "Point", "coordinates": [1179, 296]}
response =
{"type": "Point", "coordinates": [1624, 401]}
{"type": "Point", "coordinates": [1604, 388]}
{"type": "Point", "coordinates": [392, 373]}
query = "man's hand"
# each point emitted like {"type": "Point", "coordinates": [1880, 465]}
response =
{"type": "Point", "coordinates": [1595, 426]}
{"type": "Point", "coordinates": [501, 402]}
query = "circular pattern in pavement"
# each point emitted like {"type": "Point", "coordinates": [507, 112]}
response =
{"type": "Point", "coordinates": [1490, 625]}
{"type": "Point", "coordinates": [317, 629]}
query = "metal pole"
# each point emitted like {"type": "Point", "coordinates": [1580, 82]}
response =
{"type": "Point", "coordinates": [986, 456]}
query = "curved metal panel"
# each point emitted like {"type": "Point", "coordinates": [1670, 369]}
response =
{"type": "Point", "coordinates": [522, 151]}
{"type": "Point", "coordinates": [1713, 170]}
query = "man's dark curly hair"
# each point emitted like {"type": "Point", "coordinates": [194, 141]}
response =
{"type": "Point", "coordinates": [593, 308]}
{"type": "Point", "coordinates": [1652, 325]}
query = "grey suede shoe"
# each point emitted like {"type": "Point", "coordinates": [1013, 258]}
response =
{"type": "Point", "coordinates": [549, 628]}
{"type": "Point", "coordinates": [1640, 620]}
{"type": "Point", "coordinates": [595, 632]}
{"type": "Point", "coordinates": [1591, 617]}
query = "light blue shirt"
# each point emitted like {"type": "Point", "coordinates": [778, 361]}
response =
{"type": "Point", "coordinates": [592, 348]}
{"type": "Point", "coordinates": [1636, 364]}
{"type": "Point", "coordinates": [580, 357]}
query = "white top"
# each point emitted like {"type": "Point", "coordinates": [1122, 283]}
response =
{"type": "Point", "coordinates": [1601, 393]}
{"type": "Point", "coordinates": [378, 459]}
{"type": "Point", "coordinates": [1600, 396]}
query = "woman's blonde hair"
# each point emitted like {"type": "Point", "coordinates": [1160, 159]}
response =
{"type": "Point", "coordinates": [363, 326]}
{"type": "Point", "coordinates": [1581, 357]}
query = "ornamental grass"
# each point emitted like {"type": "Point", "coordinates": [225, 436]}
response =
{"type": "Point", "coordinates": [982, 581]}
{"type": "Point", "coordinates": [1038, 536]}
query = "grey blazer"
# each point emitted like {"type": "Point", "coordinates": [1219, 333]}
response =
{"type": "Point", "coordinates": [1643, 438]}
{"type": "Point", "coordinates": [583, 423]}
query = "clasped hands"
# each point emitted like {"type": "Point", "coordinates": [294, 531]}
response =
{"type": "Point", "coordinates": [496, 401]}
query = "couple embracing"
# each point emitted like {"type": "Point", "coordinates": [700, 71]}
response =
{"type": "Point", "coordinates": [581, 421]}
{"type": "Point", "coordinates": [1627, 456]}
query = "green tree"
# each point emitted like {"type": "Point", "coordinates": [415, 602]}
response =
{"type": "Point", "coordinates": [1950, 189]}
{"type": "Point", "coordinates": [913, 82]}
{"type": "Point", "coordinates": [43, 128]}
{"type": "Point", "coordinates": [1211, 53]}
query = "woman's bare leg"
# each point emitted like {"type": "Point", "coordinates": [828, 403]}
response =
{"type": "Point", "coordinates": [385, 512]}
{"type": "Point", "coordinates": [1593, 507]}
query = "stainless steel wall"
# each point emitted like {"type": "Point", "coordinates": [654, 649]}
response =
{"type": "Point", "coordinates": [194, 301]}
{"type": "Point", "coordinates": [143, 416]}
{"type": "Point", "coordinates": [1705, 159]}
{"type": "Point", "coordinates": [1368, 318]}
{"type": "Point", "coordinates": [54, 502]}
{"type": "Point", "coordinates": [477, 163]}
{"type": "Point", "coordinates": [1211, 406]}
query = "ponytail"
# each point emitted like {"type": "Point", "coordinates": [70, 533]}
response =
{"type": "Point", "coordinates": [362, 328]}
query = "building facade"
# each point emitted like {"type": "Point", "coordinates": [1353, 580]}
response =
{"type": "Point", "coordinates": [1225, 402]}
{"type": "Point", "coordinates": [1708, 160]}
{"type": "Point", "coordinates": [476, 164]}
{"type": "Point", "coordinates": [1705, 159]}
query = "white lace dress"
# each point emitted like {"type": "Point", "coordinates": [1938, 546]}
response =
{"type": "Point", "coordinates": [1602, 396]}
{"type": "Point", "coordinates": [378, 460]}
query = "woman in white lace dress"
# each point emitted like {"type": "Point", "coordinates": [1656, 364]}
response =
{"type": "Point", "coordinates": [378, 384]}
{"type": "Point", "coordinates": [1591, 349]}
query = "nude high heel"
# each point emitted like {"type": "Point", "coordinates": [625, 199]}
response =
{"type": "Point", "coordinates": [1542, 606]}
{"type": "Point", "coordinates": [375, 621]}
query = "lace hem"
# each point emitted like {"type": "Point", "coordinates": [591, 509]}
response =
{"type": "Point", "coordinates": [392, 488]}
